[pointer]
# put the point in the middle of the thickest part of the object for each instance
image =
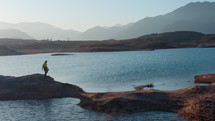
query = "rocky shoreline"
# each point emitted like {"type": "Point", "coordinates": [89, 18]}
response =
{"type": "Point", "coordinates": [193, 103]}
{"type": "Point", "coordinates": [168, 40]}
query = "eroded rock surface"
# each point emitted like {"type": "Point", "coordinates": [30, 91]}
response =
{"type": "Point", "coordinates": [194, 103]}
{"type": "Point", "coordinates": [205, 78]}
{"type": "Point", "coordinates": [35, 86]}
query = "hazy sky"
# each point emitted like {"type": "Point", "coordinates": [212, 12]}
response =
{"type": "Point", "coordinates": [83, 14]}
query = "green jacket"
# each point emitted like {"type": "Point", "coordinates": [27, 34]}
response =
{"type": "Point", "coordinates": [44, 65]}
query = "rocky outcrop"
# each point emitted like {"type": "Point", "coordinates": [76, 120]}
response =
{"type": "Point", "coordinates": [205, 78]}
{"type": "Point", "coordinates": [194, 103]}
{"type": "Point", "coordinates": [61, 54]}
{"type": "Point", "coordinates": [201, 104]}
{"type": "Point", "coordinates": [35, 86]}
{"type": "Point", "coordinates": [132, 101]}
{"type": "Point", "coordinates": [201, 108]}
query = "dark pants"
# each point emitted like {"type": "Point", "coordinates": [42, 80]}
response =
{"type": "Point", "coordinates": [46, 69]}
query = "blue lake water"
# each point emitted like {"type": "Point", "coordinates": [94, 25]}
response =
{"type": "Point", "coordinates": [168, 69]}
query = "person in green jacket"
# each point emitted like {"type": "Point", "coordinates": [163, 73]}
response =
{"type": "Point", "coordinates": [45, 68]}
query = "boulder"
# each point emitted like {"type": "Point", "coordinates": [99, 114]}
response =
{"type": "Point", "coordinates": [205, 78]}
{"type": "Point", "coordinates": [35, 86]}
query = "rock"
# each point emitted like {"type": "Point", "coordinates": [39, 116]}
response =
{"type": "Point", "coordinates": [60, 54]}
{"type": "Point", "coordinates": [141, 87]}
{"type": "Point", "coordinates": [200, 109]}
{"type": "Point", "coordinates": [206, 78]}
{"type": "Point", "coordinates": [194, 103]}
{"type": "Point", "coordinates": [131, 102]}
{"type": "Point", "coordinates": [35, 86]}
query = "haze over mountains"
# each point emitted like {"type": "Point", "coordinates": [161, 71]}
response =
{"type": "Point", "coordinates": [40, 30]}
{"type": "Point", "coordinates": [198, 16]}
{"type": "Point", "coordinates": [13, 33]}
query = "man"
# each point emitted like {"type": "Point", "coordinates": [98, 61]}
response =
{"type": "Point", "coordinates": [45, 68]}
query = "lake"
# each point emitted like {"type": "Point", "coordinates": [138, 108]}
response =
{"type": "Point", "coordinates": [168, 69]}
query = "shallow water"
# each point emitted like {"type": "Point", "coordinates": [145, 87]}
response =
{"type": "Point", "coordinates": [66, 110]}
{"type": "Point", "coordinates": [105, 71]}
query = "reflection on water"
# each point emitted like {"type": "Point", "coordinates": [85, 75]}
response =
{"type": "Point", "coordinates": [66, 109]}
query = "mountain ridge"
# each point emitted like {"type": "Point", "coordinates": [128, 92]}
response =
{"type": "Point", "coordinates": [194, 16]}
{"type": "Point", "coordinates": [39, 30]}
{"type": "Point", "coordinates": [185, 18]}
{"type": "Point", "coordinates": [14, 34]}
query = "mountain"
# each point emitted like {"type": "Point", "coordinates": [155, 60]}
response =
{"type": "Point", "coordinates": [13, 33]}
{"type": "Point", "coordinates": [195, 16]}
{"type": "Point", "coordinates": [40, 30]}
{"type": "Point", "coordinates": [103, 33]}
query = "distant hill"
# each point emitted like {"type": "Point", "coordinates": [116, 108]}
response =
{"type": "Point", "coordinates": [13, 33]}
{"type": "Point", "coordinates": [179, 39]}
{"type": "Point", "coordinates": [40, 30]}
{"type": "Point", "coordinates": [6, 51]}
{"type": "Point", "coordinates": [195, 16]}
{"type": "Point", "coordinates": [102, 33]}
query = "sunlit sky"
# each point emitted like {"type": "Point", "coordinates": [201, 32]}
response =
{"type": "Point", "coordinates": [83, 14]}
